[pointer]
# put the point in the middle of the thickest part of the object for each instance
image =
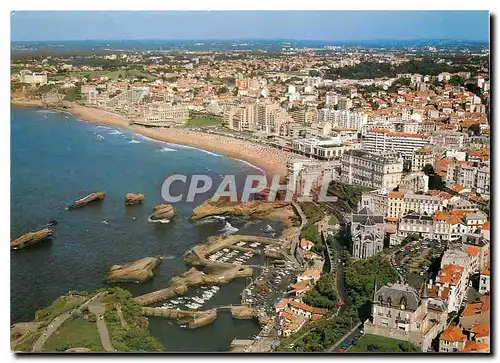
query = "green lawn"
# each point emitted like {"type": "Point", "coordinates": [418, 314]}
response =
{"type": "Point", "coordinates": [75, 333]}
{"type": "Point", "coordinates": [202, 122]}
{"type": "Point", "coordinates": [313, 214]}
{"type": "Point", "coordinates": [59, 306]}
{"type": "Point", "coordinates": [333, 221]}
{"type": "Point", "coordinates": [374, 343]}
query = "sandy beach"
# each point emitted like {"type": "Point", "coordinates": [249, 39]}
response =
{"type": "Point", "coordinates": [272, 161]}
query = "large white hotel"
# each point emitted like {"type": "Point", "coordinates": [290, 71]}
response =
{"type": "Point", "coordinates": [381, 140]}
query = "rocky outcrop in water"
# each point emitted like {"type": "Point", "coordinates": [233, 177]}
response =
{"type": "Point", "coordinates": [192, 319]}
{"type": "Point", "coordinates": [243, 312]}
{"type": "Point", "coordinates": [88, 199]}
{"type": "Point", "coordinates": [31, 238]}
{"type": "Point", "coordinates": [253, 209]}
{"type": "Point", "coordinates": [134, 198]}
{"type": "Point", "coordinates": [137, 271]}
{"type": "Point", "coordinates": [162, 212]}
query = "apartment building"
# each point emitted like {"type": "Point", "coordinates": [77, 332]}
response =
{"type": "Point", "coordinates": [163, 114]}
{"type": "Point", "coordinates": [484, 280]}
{"type": "Point", "coordinates": [469, 176]}
{"type": "Point", "coordinates": [474, 221]}
{"type": "Point", "coordinates": [323, 148]}
{"type": "Point", "coordinates": [29, 77]}
{"type": "Point", "coordinates": [375, 200]}
{"type": "Point", "coordinates": [343, 118]}
{"type": "Point", "coordinates": [416, 182]}
{"type": "Point", "coordinates": [449, 140]}
{"type": "Point", "coordinates": [422, 157]}
{"type": "Point", "coordinates": [89, 93]}
{"type": "Point", "coordinates": [367, 233]}
{"type": "Point", "coordinates": [454, 279]}
{"type": "Point", "coordinates": [382, 140]}
{"type": "Point", "coordinates": [462, 174]}
{"type": "Point", "coordinates": [416, 224]}
{"type": "Point", "coordinates": [382, 170]}
{"type": "Point", "coordinates": [452, 340]}
{"type": "Point", "coordinates": [394, 205]}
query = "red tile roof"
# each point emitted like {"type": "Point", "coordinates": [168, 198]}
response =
{"type": "Point", "coordinates": [453, 334]}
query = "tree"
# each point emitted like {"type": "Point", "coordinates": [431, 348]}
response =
{"type": "Point", "coordinates": [361, 274]}
{"type": "Point", "coordinates": [475, 129]}
{"type": "Point", "coordinates": [428, 169]}
{"type": "Point", "coordinates": [457, 81]}
{"type": "Point", "coordinates": [435, 181]}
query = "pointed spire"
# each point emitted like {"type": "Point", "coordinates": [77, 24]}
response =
{"type": "Point", "coordinates": [425, 292]}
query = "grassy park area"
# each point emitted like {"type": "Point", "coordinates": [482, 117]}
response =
{"type": "Point", "coordinates": [75, 333]}
{"type": "Point", "coordinates": [373, 343]}
{"type": "Point", "coordinates": [202, 122]}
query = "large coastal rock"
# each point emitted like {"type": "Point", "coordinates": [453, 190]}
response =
{"type": "Point", "coordinates": [31, 238]}
{"type": "Point", "coordinates": [192, 319]}
{"type": "Point", "coordinates": [137, 271]}
{"type": "Point", "coordinates": [253, 209]}
{"type": "Point", "coordinates": [243, 312]}
{"type": "Point", "coordinates": [88, 199]}
{"type": "Point", "coordinates": [162, 212]}
{"type": "Point", "coordinates": [134, 198]}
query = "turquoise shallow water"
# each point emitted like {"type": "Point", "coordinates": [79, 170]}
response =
{"type": "Point", "coordinates": [57, 158]}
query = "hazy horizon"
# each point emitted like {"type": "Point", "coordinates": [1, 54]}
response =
{"type": "Point", "coordinates": [325, 26]}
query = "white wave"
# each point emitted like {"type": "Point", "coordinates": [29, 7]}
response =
{"type": "Point", "coordinates": [209, 152]}
{"type": "Point", "coordinates": [167, 149]}
{"type": "Point", "coordinates": [162, 221]}
{"type": "Point", "coordinates": [116, 132]}
{"type": "Point", "coordinates": [229, 229]}
{"type": "Point", "coordinates": [46, 111]}
{"type": "Point", "coordinates": [103, 127]}
{"type": "Point", "coordinates": [100, 137]}
{"type": "Point", "coordinates": [134, 142]}
{"type": "Point", "coordinates": [250, 164]}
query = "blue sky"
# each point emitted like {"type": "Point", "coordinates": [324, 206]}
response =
{"type": "Point", "coordinates": [310, 25]}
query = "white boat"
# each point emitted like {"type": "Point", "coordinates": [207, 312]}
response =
{"type": "Point", "coordinates": [215, 288]}
{"type": "Point", "coordinates": [176, 302]}
{"type": "Point", "coordinates": [226, 250]}
{"type": "Point", "coordinates": [237, 263]}
{"type": "Point", "coordinates": [198, 300]}
{"type": "Point", "coordinates": [207, 295]}
{"type": "Point", "coordinates": [193, 306]}
{"type": "Point", "coordinates": [183, 326]}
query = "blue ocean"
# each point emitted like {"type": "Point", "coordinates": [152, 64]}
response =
{"type": "Point", "coordinates": [57, 158]}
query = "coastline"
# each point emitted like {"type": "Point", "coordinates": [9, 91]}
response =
{"type": "Point", "coordinates": [271, 161]}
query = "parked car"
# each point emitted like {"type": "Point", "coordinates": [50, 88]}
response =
{"type": "Point", "coordinates": [341, 350]}
{"type": "Point", "coordinates": [340, 303]}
